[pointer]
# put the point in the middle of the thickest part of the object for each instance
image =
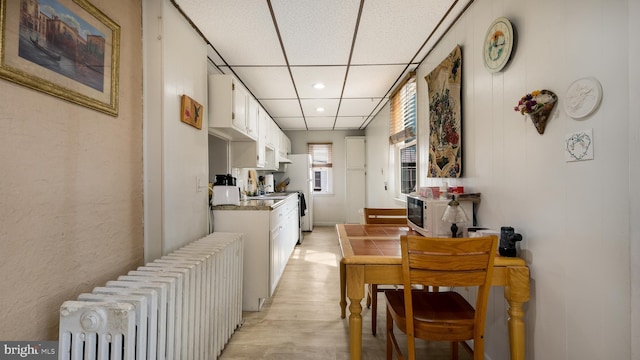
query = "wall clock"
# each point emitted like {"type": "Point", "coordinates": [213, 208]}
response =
{"type": "Point", "coordinates": [498, 44]}
{"type": "Point", "coordinates": [583, 97]}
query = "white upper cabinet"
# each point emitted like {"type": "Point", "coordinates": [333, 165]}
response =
{"type": "Point", "coordinates": [229, 109]}
{"type": "Point", "coordinates": [285, 147]}
{"type": "Point", "coordinates": [253, 117]}
{"type": "Point", "coordinates": [266, 126]}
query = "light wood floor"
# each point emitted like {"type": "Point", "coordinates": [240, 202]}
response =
{"type": "Point", "coordinates": [302, 320]}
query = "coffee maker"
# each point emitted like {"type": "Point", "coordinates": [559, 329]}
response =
{"type": "Point", "coordinates": [225, 191]}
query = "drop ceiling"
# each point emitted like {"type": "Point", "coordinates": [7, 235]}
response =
{"type": "Point", "coordinates": [359, 49]}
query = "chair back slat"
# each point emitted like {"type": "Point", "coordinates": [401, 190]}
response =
{"type": "Point", "coordinates": [385, 216]}
{"type": "Point", "coordinates": [461, 262]}
{"type": "Point", "coordinates": [446, 278]}
{"type": "Point", "coordinates": [447, 261]}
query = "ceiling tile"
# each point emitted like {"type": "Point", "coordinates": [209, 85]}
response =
{"type": "Point", "coordinates": [331, 76]}
{"type": "Point", "coordinates": [321, 123]}
{"type": "Point", "coordinates": [358, 107]}
{"type": "Point", "coordinates": [458, 9]}
{"type": "Point", "coordinates": [310, 106]}
{"type": "Point", "coordinates": [267, 82]}
{"type": "Point", "coordinates": [316, 32]}
{"type": "Point", "coordinates": [371, 81]}
{"type": "Point", "coordinates": [348, 122]}
{"type": "Point", "coordinates": [241, 31]}
{"type": "Point", "coordinates": [398, 27]}
{"type": "Point", "coordinates": [282, 107]}
{"type": "Point", "coordinates": [293, 123]}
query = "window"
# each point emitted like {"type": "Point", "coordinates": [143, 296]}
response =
{"type": "Point", "coordinates": [408, 169]}
{"type": "Point", "coordinates": [402, 128]}
{"type": "Point", "coordinates": [321, 167]}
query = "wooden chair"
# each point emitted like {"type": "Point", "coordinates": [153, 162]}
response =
{"type": "Point", "coordinates": [380, 216]}
{"type": "Point", "coordinates": [445, 315]}
{"type": "Point", "coordinates": [385, 216]}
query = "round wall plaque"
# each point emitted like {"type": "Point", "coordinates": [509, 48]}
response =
{"type": "Point", "coordinates": [498, 44]}
{"type": "Point", "coordinates": [583, 97]}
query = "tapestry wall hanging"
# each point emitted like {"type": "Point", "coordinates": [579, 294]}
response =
{"type": "Point", "coordinates": [445, 141]}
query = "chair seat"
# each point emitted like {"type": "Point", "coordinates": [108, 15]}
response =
{"type": "Point", "coordinates": [445, 316]}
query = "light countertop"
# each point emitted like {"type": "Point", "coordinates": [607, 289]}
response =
{"type": "Point", "coordinates": [261, 203]}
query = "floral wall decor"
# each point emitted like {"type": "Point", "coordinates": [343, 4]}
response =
{"type": "Point", "coordinates": [445, 141]}
{"type": "Point", "coordinates": [538, 105]}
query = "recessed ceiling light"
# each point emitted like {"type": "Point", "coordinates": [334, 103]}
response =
{"type": "Point", "coordinates": [318, 86]}
{"type": "Point", "coordinates": [320, 109]}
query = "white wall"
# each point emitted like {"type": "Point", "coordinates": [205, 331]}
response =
{"type": "Point", "coordinates": [70, 191]}
{"type": "Point", "coordinates": [381, 163]}
{"type": "Point", "coordinates": [634, 176]}
{"type": "Point", "coordinates": [576, 218]}
{"type": "Point", "coordinates": [327, 209]}
{"type": "Point", "coordinates": [176, 154]}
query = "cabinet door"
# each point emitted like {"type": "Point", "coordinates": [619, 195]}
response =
{"type": "Point", "coordinates": [269, 129]}
{"type": "Point", "coordinates": [260, 140]}
{"type": "Point", "coordinates": [239, 117]}
{"type": "Point", "coordinates": [253, 109]}
{"type": "Point", "coordinates": [274, 265]}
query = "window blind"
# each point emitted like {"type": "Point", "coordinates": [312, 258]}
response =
{"type": "Point", "coordinates": [320, 154]}
{"type": "Point", "coordinates": [402, 126]}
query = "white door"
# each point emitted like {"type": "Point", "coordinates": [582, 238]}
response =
{"type": "Point", "coordinates": [356, 173]}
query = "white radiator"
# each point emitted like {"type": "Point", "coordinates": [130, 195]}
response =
{"type": "Point", "coordinates": [185, 305]}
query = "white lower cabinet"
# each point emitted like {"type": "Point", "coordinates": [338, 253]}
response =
{"type": "Point", "coordinates": [269, 241]}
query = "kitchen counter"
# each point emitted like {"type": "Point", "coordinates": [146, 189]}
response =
{"type": "Point", "coordinates": [265, 202]}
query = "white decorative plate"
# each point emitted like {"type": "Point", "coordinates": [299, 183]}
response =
{"type": "Point", "coordinates": [583, 97]}
{"type": "Point", "coordinates": [498, 43]}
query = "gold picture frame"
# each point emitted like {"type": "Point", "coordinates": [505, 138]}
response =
{"type": "Point", "coordinates": [65, 48]}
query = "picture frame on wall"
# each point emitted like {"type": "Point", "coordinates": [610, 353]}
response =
{"type": "Point", "coordinates": [191, 112]}
{"type": "Point", "coordinates": [65, 48]}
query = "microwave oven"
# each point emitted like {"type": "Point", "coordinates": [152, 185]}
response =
{"type": "Point", "coordinates": [424, 215]}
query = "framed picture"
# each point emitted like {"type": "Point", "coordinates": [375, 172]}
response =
{"type": "Point", "coordinates": [191, 112]}
{"type": "Point", "coordinates": [65, 48]}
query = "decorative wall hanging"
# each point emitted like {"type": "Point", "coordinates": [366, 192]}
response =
{"type": "Point", "coordinates": [498, 44]}
{"type": "Point", "coordinates": [65, 48]}
{"type": "Point", "coordinates": [445, 150]}
{"type": "Point", "coordinates": [191, 112]}
{"type": "Point", "coordinates": [538, 105]}
{"type": "Point", "coordinates": [579, 146]}
{"type": "Point", "coordinates": [583, 97]}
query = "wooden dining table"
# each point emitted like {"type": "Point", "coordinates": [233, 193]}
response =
{"type": "Point", "coordinates": [371, 255]}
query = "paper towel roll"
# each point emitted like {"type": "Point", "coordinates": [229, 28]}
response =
{"type": "Point", "coordinates": [269, 185]}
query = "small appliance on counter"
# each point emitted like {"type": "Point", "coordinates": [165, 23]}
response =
{"type": "Point", "coordinates": [225, 191]}
{"type": "Point", "coordinates": [508, 239]}
{"type": "Point", "coordinates": [269, 185]}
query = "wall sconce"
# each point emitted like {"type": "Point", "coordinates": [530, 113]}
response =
{"type": "Point", "coordinates": [453, 214]}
